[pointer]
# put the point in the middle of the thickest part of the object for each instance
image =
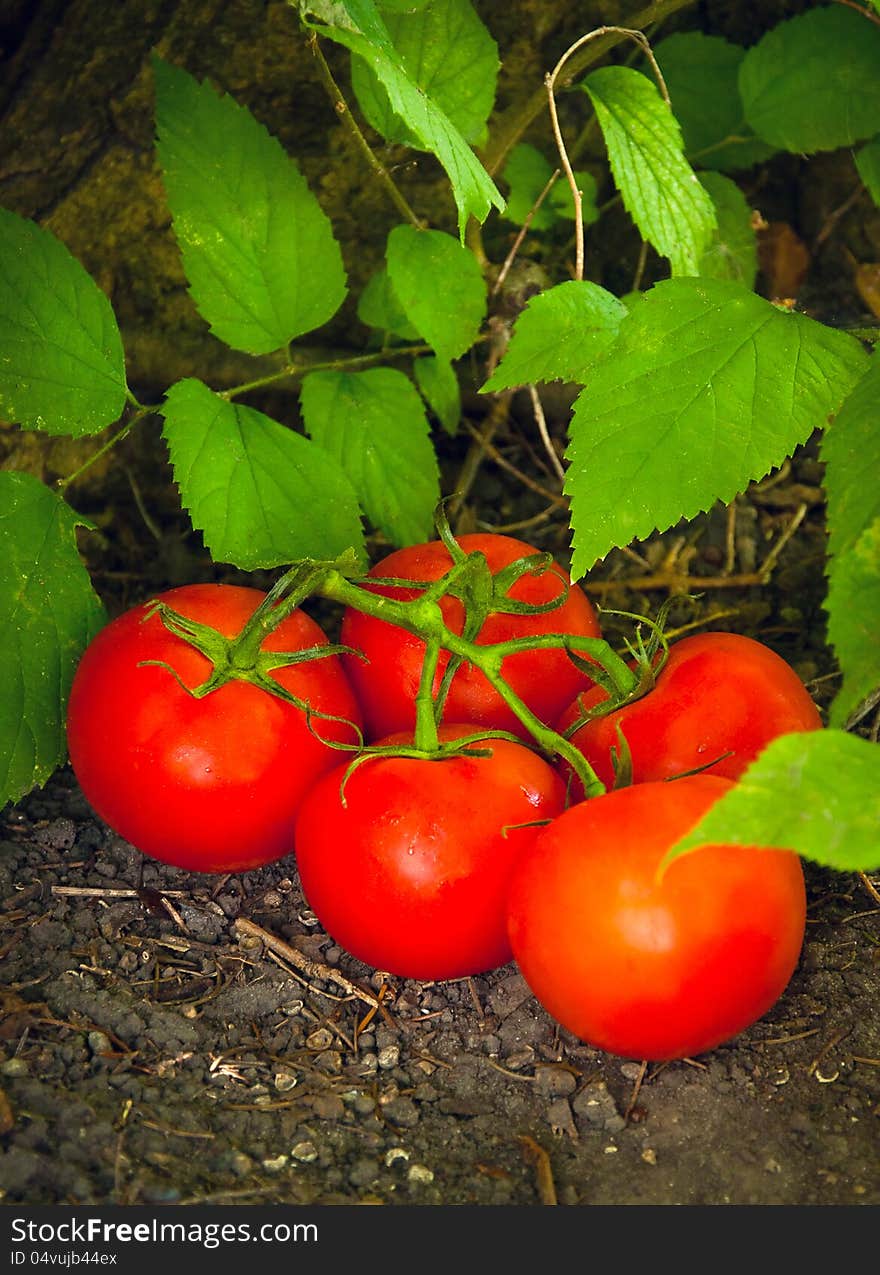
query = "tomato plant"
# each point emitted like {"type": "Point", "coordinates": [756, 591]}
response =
{"type": "Point", "coordinates": [210, 783]}
{"type": "Point", "coordinates": [546, 680]}
{"type": "Point", "coordinates": [719, 698]}
{"type": "Point", "coordinates": [647, 965]}
{"type": "Point", "coordinates": [407, 867]}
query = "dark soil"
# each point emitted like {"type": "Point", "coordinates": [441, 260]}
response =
{"type": "Point", "coordinates": [154, 1053]}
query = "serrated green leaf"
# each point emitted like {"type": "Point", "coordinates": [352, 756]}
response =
{"type": "Point", "coordinates": [62, 368]}
{"type": "Point", "coordinates": [814, 792]}
{"type": "Point", "coordinates": [658, 187]}
{"type": "Point", "coordinates": [472, 187]}
{"type": "Point", "coordinates": [526, 173]}
{"type": "Point", "coordinates": [439, 386]}
{"type": "Point", "coordinates": [258, 250]}
{"type": "Point", "coordinates": [374, 426]}
{"type": "Point", "coordinates": [440, 287]}
{"type": "Point", "coordinates": [558, 335]}
{"type": "Point", "coordinates": [702, 76]}
{"type": "Point", "coordinates": [733, 251]}
{"type": "Point", "coordinates": [868, 166]}
{"type": "Point", "coordinates": [447, 51]}
{"type": "Point", "coordinates": [812, 83]}
{"type": "Point", "coordinates": [48, 615]}
{"type": "Point", "coordinates": [262, 495]}
{"type": "Point", "coordinates": [853, 606]}
{"type": "Point", "coordinates": [378, 307]}
{"type": "Point", "coordinates": [705, 389]}
{"type": "Point", "coordinates": [850, 450]}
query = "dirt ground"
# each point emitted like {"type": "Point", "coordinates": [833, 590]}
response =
{"type": "Point", "coordinates": [154, 1051]}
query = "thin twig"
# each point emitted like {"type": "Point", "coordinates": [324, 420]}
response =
{"type": "Point", "coordinates": [541, 421]}
{"type": "Point", "coordinates": [312, 969]}
{"type": "Point", "coordinates": [511, 256]}
{"type": "Point", "coordinates": [550, 84]}
{"type": "Point", "coordinates": [851, 4]}
{"type": "Point", "coordinates": [341, 107]}
{"type": "Point", "coordinates": [543, 1169]}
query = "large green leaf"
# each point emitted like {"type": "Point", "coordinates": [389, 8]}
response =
{"type": "Point", "coordinates": [439, 386]}
{"type": "Point", "coordinates": [472, 187]}
{"type": "Point", "coordinates": [440, 287]}
{"type": "Point", "coordinates": [851, 452]}
{"type": "Point", "coordinates": [868, 165]}
{"type": "Point", "coordinates": [447, 51]}
{"type": "Point", "coordinates": [658, 187]}
{"type": "Point", "coordinates": [62, 368]}
{"type": "Point", "coordinates": [558, 335]}
{"type": "Point", "coordinates": [705, 389]}
{"type": "Point", "coordinates": [812, 83]}
{"type": "Point", "coordinates": [702, 76]}
{"type": "Point", "coordinates": [262, 495]}
{"type": "Point", "coordinates": [733, 250]}
{"type": "Point", "coordinates": [48, 615]}
{"type": "Point", "coordinates": [258, 251]}
{"type": "Point", "coordinates": [378, 307]}
{"type": "Point", "coordinates": [815, 792]}
{"type": "Point", "coordinates": [374, 426]}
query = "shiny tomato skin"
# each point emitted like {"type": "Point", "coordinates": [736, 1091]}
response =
{"type": "Point", "coordinates": [545, 680]}
{"type": "Point", "coordinates": [652, 969]}
{"type": "Point", "coordinates": [211, 784]}
{"type": "Point", "coordinates": [410, 874]}
{"type": "Point", "coordinates": [718, 693]}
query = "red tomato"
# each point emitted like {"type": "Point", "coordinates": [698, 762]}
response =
{"type": "Point", "coordinates": [647, 968]}
{"type": "Point", "coordinates": [210, 784]}
{"type": "Point", "coordinates": [545, 680]}
{"type": "Point", "coordinates": [717, 693]}
{"type": "Point", "coordinates": [410, 872]}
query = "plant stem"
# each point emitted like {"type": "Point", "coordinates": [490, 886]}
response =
{"type": "Point", "coordinates": [429, 626]}
{"type": "Point", "coordinates": [347, 364]}
{"type": "Point", "coordinates": [63, 483]}
{"type": "Point", "coordinates": [510, 129]}
{"type": "Point", "coordinates": [341, 107]}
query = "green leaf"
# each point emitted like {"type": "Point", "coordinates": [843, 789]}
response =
{"type": "Point", "coordinates": [262, 495]}
{"type": "Point", "coordinates": [526, 173]}
{"type": "Point", "coordinates": [472, 187]}
{"type": "Point", "coordinates": [440, 389]}
{"type": "Point", "coordinates": [850, 450]}
{"type": "Point", "coordinates": [705, 389]}
{"type": "Point", "coordinates": [733, 252]}
{"type": "Point", "coordinates": [814, 792]}
{"type": "Point", "coordinates": [62, 367]}
{"type": "Point", "coordinates": [378, 307]}
{"type": "Point", "coordinates": [868, 166]}
{"type": "Point", "coordinates": [702, 76]}
{"type": "Point", "coordinates": [561, 200]}
{"type": "Point", "coordinates": [440, 287]}
{"type": "Point", "coordinates": [812, 83]}
{"type": "Point", "coordinates": [258, 251]}
{"type": "Point", "coordinates": [374, 426]}
{"type": "Point", "coordinates": [445, 49]}
{"type": "Point", "coordinates": [558, 336]}
{"type": "Point", "coordinates": [48, 615]}
{"type": "Point", "coordinates": [658, 187]}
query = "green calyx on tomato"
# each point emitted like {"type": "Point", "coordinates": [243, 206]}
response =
{"type": "Point", "coordinates": [236, 659]}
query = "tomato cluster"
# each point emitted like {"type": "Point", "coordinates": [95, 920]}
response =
{"type": "Point", "coordinates": [450, 857]}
